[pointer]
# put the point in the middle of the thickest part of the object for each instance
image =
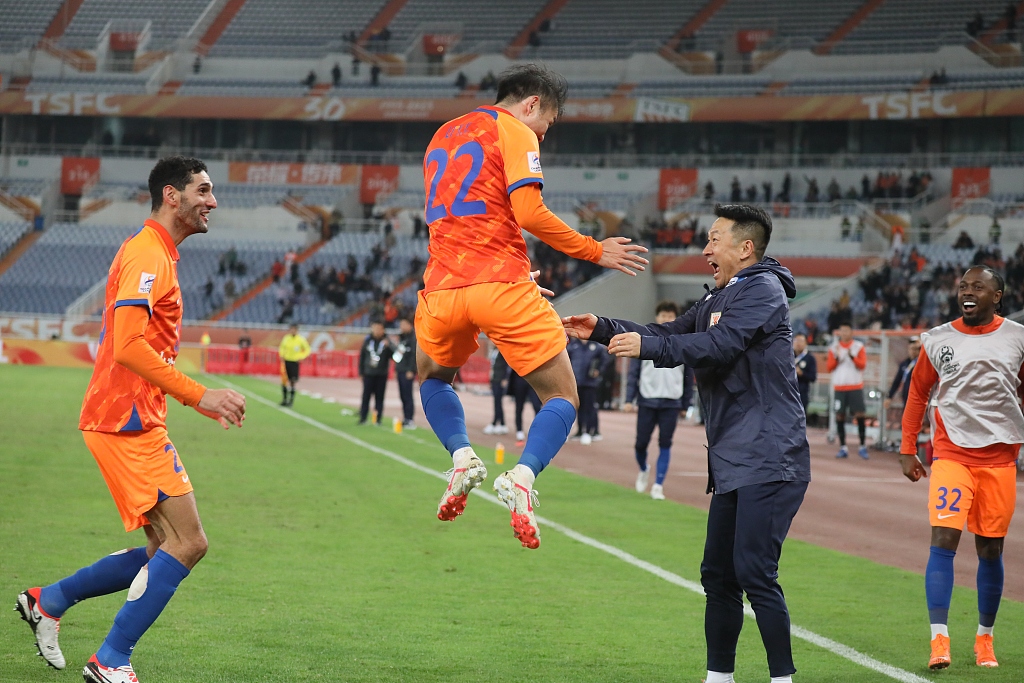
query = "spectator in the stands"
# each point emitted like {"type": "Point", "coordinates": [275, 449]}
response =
{"type": "Point", "coordinates": [767, 187]}
{"type": "Point", "coordinates": [277, 270]}
{"type": "Point", "coordinates": [488, 82]}
{"type": "Point", "coordinates": [811, 331]}
{"type": "Point", "coordinates": [787, 187]}
{"type": "Point", "coordinates": [735, 191]}
{"type": "Point", "coordinates": [336, 75]}
{"type": "Point", "coordinates": [844, 228]}
{"type": "Point", "coordinates": [107, 140]}
{"type": "Point", "coordinates": [812, 195]}
{"type": "Point", "coordinates": [197, 65]}
{"type": "Point", "coordinates": [419, 227]}
{"type": "Point", "coordinates": [355, 64]}
{"type": "Point", "coordinates": [839, 315]}
{"type": "Point", "coordinates": [375, 75]}
{"type": "Point", "coordinates": [835, 193]}
{"type": "Point", "coordinates": [461, 81]}
{"type": "Point", "coordinates": [533, 40]}
{"type": "Point", "coordinates": [208, 290]}
{"type": "Point", "coordinates": [229, 289]}
{"type": "Point", "coordinates": [865, 187]}
{"type": "Point", "coordinates": [709, 191]}
{"type": "Point", "coordinates": [963, 241]}
{"type": "Point", "coordinates": [976, 25]}
{"type": "Point", "coordinates": [751, 194]}
{"type": "Point", "coordinates": [310, 79]}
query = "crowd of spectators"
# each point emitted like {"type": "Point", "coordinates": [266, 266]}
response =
{"type": "Point", "coordinates": [976, 26]}
{"type": "Point", "coordinates": [885, 185]}
{"type": "Point", "coordinates": [911, 292]}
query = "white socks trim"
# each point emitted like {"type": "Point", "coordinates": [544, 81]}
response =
{"type": "Point", "coordinates": [985, 630]}
{"type": "Point", "coordinates": [719, 677]}
{"type": "Point", "coordinates": [940, 629]}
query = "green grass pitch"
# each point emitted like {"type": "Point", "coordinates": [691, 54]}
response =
{"type": "Point", "coordinates": [327, 563]}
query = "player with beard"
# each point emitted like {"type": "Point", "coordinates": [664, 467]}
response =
{"type": "Point", "coordinates": [123, 421]}
{"type": "Point", "coordinates": [974, 365]}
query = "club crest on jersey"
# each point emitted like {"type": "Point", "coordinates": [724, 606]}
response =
{"type": "Point", "coordinates": [946, 365]}
{"type": "Point", "coordinates": [533, 161]}
{"type": "Point", "coordinates": [146, 281]}
{"type": "Point", "coordinates": [715, 317]}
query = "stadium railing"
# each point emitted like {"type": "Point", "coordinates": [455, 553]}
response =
{"type": "Point", "coordinates": [606, 160]}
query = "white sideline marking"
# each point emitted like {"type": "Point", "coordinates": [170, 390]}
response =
{"type": "Point", "coordinates": [832, 646]}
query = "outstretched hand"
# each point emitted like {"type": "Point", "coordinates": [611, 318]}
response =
{"type": "Point", "coordinates": [912, 467]}
{"type": "Point", "coordinates": [580, 326]}
{"type": "Point", "coordinates": [619, 254]}
{"type": "Point", "coordinates": [227, 406]}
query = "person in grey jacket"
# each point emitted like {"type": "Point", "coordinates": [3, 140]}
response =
{"type": "Point", "coordinates": [738, 340]}
{"type": "Point", "coordinates": [659, 394]}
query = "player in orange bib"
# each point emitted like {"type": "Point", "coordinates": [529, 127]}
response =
{"type": "Point", "coordinates": [123, 421]}
{"type": "Point", "coordinates": [974, 365]}
{"type": "Point", "coordinates": [483, 182]}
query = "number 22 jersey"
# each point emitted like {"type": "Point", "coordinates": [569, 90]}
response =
{"type": "Point", "coordinates": [472, 165]}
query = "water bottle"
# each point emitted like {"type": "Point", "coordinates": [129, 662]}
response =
{"type": "Point", "coordinates": [499, 453]}
{"type": "Point", "coordinates": [396, 425]}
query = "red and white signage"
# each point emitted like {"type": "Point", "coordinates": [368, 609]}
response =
{"type": "Point", "coordinates": [377, 181]}
{"type": "Point", "coordinates": [676, 185]}
{"type": "Point", "coordinates": [78, 174]}
{"type": "Point", "coordinates": [969, 183]}
{"type": "Point", "coordinates": [749, 40]}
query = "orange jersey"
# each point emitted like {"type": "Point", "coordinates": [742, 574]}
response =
{"type": "Point", "coordinates": [144, 273]}
{"type": "Point", "coordinates": [472, 165]}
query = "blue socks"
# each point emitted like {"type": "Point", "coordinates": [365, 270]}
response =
{"type": "Point", "coordinates": [990, 590]}
{"type": "Point", "coordinates": [664, 456]}
{"type": "Point", "coordinates": [109, 575]}
{"type": "Point", "coordinates": [938, 584]}
{"type": "Point", "coordinates": [444, 412]}
{"type": "Point", "coordinates": [547, 434]}
{"type": "Point", "coordinates": [147, 597]}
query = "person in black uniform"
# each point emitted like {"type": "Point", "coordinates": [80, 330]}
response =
{"type": "Point", "coordinates": [374, 362]}
{"type": "Point", "coordinates": [806, 368]}
{"type": "Point", "coordinates": [405, 369]}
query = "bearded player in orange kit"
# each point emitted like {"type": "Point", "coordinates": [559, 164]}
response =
{"type": "Point", "coordinates": [123, 422]}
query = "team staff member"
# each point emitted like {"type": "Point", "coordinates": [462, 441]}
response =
{"type": "Point", "coordinates": [806, 368]}
{"type": "Point", "coordinates": [739, 342]}
{"type": "Point", "coordinates": [123, 422]}
{"type": "Point", "coordinates": [405, 369]}
{"type": "Point", "coordinates": [293, 350]}
{"type": "Point", "coordinates": [374, 364]}
{"type": "Point", "coordinates": [901, 380]}
{"type": "Point", "coordinates": [660, 394]}
{"type": "Point", "coordinates": [974, 364]}
{"type": "Point", "coordinates": [847, 358]}
{"type": "Point", "coordinates": [483, 179]}
{"type": "Point", "coordinates": [588, 361]}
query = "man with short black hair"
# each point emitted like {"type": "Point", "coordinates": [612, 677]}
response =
{"type": "Point", "coordinates": [123, 422]}
{"type": "Point", "coordinates": [738, 339]}
{"type": "Point", "coordinates": [482, 175]}
{"type": "Point", "coordinates": [374, 363]}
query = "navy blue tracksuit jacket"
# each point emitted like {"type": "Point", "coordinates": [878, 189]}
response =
{"type": "Point", "coordinates": [739, 342]}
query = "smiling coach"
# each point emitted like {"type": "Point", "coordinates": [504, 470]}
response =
{"type": "Point", "coordinates": [739, 341]}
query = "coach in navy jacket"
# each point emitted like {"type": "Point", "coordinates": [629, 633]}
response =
{"type": "Point", "coordinates": [738, 340]}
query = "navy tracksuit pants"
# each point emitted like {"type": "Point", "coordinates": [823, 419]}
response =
{"type": "Point", "coordinates": [746, 528]}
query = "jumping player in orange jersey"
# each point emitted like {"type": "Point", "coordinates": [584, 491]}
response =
{"type": "Point", "coordinates": [974, 364]}
{"type": "Point", "coordinates": [483, 183]}
{"type": "Point", "coordinates": [124, 424]}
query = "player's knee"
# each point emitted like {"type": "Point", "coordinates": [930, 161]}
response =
{"type": "Point", "coordinates": [196, 547]}
{"type": "Point", "coordinates": [989, 548]}
{"type": "Point", "coordinates": [945, 538]}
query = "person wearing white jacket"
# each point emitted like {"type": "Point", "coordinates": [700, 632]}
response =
{"type": "Point", "coordinates": [659, 395]}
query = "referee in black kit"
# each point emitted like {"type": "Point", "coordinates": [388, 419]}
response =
{"type": "Point", "coordinates": [739, 341]}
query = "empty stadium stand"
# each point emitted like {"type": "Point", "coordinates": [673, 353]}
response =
{"type": "Point", "coordinates": [10, 233]}
{"type": "Point", "coordinates": [292, 28]}
{"type": "Point", "coordinates": [916, 25]}
{"type": "Point", "coordinates": [609, 29]}
{"type": "Point", "coordinates": [171, 19]}
{"type": "Point", "coordinates": [802, 22]}
{"type": "Point", "coordinates": [485, 25]}
{"type": "Point", "coordinates": [24, 22]}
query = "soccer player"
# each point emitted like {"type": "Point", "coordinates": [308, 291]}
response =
{"type": "Point", "coordinates": [483, 183]}
{"type": "Point", "coordinates": [293, 350]}
{"type": "Point", "coordinates": [123, 421]}
{"type": "Point", "coordinates": [847, 359]}
{"type": "Point", "coordinates": [974, 364]}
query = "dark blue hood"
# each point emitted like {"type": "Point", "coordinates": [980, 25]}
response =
{"type": "Point", "coordinates": [770, 265]}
